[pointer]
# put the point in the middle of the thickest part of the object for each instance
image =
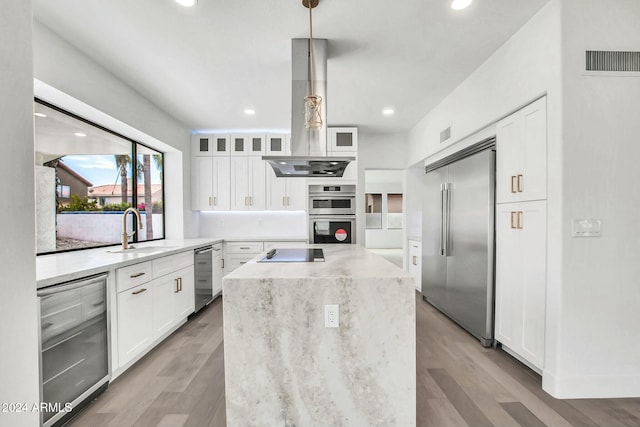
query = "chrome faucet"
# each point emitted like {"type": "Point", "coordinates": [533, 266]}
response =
{"type": "Point", "coordinates": [125, 236]}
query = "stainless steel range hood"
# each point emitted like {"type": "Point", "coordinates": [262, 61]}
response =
{"type": "Point", "coordinates": [308, 146]}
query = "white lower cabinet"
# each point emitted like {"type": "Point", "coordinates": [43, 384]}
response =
{"type": "Point", "coordinates": [218, 268]}
{"type": "Point", "coordinates": [521, 279]}
{"type": "Point", "coordinates": [149, 310]}
{"type": "Point", "coordinates": [415, 262]}
{"type": "Point", "coordinates": [135, 322]}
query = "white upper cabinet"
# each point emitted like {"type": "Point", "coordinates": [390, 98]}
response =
{"type": "Point", "coordinates": [278, 145]}
{"type": "Point", "coordinates": [210, 145]}
{"type": "Point", "coordinates": [285, 193]}
{"type": "Point", "coordinates": [342, 140]}
{"type": "Point", "coordinates": [247, 183]}
{"type": "Point", "coordinates": [248, 144]}
{"type": "Point", "coordinates": [210, 186]}
{"type": "Point", "coordinates": [521, 141]}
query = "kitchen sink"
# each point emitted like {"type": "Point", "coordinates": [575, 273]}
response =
{"type": "Point", "coordinates": [144, 249]}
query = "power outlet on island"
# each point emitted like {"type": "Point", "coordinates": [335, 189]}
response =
{"type": "Point", "coordinates": [331, 316]}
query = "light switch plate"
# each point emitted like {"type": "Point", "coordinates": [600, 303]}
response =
{"type": "Point", "coordinates": [586, 228]}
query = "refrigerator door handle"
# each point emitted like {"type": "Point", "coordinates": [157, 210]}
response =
{"type": "Point", "coordinates": [447, 210]}
{"type": "Point", "coordinates": [442, 217]}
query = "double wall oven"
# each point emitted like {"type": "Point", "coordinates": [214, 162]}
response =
{"type": "Point", "coordinates": [332, 213]}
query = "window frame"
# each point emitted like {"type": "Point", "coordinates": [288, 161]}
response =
{"type": "Point", "coordinates": [134, 181]}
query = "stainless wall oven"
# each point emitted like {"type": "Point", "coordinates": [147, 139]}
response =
{"type": "Point", "coordinates": [332, 200]}
{"type": "Point", "coordinates": [332, 214]}
{"type": "Point", "coordinates": [74, 346]}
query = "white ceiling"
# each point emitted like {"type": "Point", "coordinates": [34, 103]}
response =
{"type": "Point", "coordinates": [205, 65]}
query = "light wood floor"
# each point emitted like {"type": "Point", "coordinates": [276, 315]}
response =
{"type": "Point", "coordinates": [459, 383]}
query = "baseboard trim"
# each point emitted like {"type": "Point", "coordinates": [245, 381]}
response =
{"type": "Point", "coordinates": [591, 386]}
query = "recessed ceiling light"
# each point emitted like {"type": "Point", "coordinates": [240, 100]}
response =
{"type": "Point", "coordinates": [460, 4]}
{"type": "Point", "coordinates": [80, 134]}
{"type": "Point", "coordinates": [388, 111]}
{"type": "Point", "coordinates": [249, 112]}
{"type": "Point", "coordinates": [187, 3]}
{"type": "Point", "coordinates": [39, 115]}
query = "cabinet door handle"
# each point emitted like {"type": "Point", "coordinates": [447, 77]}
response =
{"type": "Point", "coordinates": [513, 186]}
{"type": "Point", "coordinates": [513, 217]}
{"type": "Point", "coordinates": [288, 202]}
{"type": "Point", "coordinates": [139, 292]}
{"type": "Point", "coordinates": [250, 200]}
{"type": "Point", "coordinates": [519, 186]}
{"type": "Point", "coordinates": [209, 200]}
{"type": "Point", "coordinates": [284, 201]}
{"type": "Point", "coordinates": [177, 286]}
{"type": "Point", "coordinates": [243, 262]}
{"type": "Point", "coordinates": [180, 282]}
{"type": "Point", "coordinates": [215, 201]}
{"type": "Point", "coordinates": [98, 304]}
{"type": "Point", "coordinates": [222, 263]}
{"type": "Point", "coordinates": [133, 276]}
{"type": "Point", "coordinates": [415, 260]}
{"type": "Point", "coordinates": [519, 220]}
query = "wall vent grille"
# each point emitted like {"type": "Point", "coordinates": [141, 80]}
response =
{"type": "Point", "coordinates": [600, 60]}
{"type": "Point", "coordinates": [445, 134]}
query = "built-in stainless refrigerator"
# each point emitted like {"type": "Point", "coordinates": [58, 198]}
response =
{"type": "Point", "coordinates": [458, 238]}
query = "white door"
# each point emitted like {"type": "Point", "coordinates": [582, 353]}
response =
{"type": "Point", "coordinates": [533, 182]}
{"type": "Point", "coordinates": [508, 158]}
{"type": "Point", "coordinates": [257, 185]}
{"type": "Point", "coordinates": [184, 299]}
{"type": "Point", "coordinates": [221, 187]}
{"type": "Point", "coordinates": [163, 311]}
{"type": "Point", "coordinates": [239, 183]}
{"type": "Point", "coordinates": [135, 322]}
{"type": "Point", "coordinates": [296, 197]}
{"type": "Point", "coordinates": [202, 185]}
{"type": "Point", "coordinates": [276, 191]}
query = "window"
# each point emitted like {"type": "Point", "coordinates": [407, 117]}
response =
{"type": "Point", "coordinates": [86, 176]}
{"type": "Point", "coordinates": [373, 210]}
{"type": "Point", "coordinates": [394, 210]}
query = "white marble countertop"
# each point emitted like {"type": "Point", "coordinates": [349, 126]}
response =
{"type": "Point", "coordinates": [340, 261]}
{"type": "Point", "coordinates": [63, 267]}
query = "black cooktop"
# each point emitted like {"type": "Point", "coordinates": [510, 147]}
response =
{"type": "Point", "coordinates": [294, 255]}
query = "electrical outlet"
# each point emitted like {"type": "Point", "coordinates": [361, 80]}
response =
{"type": "Point", "coordinates": [331, 316]}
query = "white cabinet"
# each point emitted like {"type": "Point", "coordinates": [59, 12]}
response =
{"type": "Point", "coordinates": [210, 183]}
{"type": "Point", "coordinates": [153, 298]}
{"type": "Point", "coordinates": [415, 262]}
{"type": "Point", "coordinates": [342, 140]}
{"type": "Point", "coordinates": [248, 144]}
{"type": "Point", "coordinates": [237, 254]}
{"type": "Point", "coordinates": [135, 322]}
{"type": "Point", "coordinates": [278, 145]}
{"type": "Point", "coordinates": [521, 165]}
{"type": "Point", "coordinates": [521, 279]}
{"type": "Point", "coordinates": [285, 244]}
{"type": "Point", "coordinates": [210, 145]}
{"type": "Point", "coordinates": [247, 183]}
{"type": "Point", "coordinates": [285, 193]}
{"type": "Point", "coordinates": [184, 298]}
{"type": "Point", "coordinates": [218, 268]}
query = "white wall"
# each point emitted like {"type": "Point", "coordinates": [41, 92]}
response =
{"type": "Point", "coordinates": [251, 225]}
{"type": "Point", "coordinates": [376, 151]}
{"type": "Point", "coordinates": [18, 303]}
{"type": "Point", "coordinates": [599, 339]}
{"type": "Point", "coordinates": [62, 67]}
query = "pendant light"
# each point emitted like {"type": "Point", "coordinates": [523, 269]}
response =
{"type": "Point", "coordinates": [312, 102]}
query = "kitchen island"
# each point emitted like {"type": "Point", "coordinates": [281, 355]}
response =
{"type": "Point", "coordinates": [283, 367]}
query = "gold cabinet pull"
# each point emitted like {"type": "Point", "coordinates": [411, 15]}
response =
{"type": "Point", "coordinates": [519, 186]}
{"type": "Point", "coordinates": [250, 200]}
{"type": "Point", "coordinates": [133, 276]}
{"type": "Point", "coordinates": [519, 220]}
{"type": "Point", "coordinates": [245, 200]}
{"type": "Point", "coordinates": [415, 260]}
{"type": "Point", "coordinates": [177, 286]}
{"type": "Point", "coordinates": [513, 219]}
{"type": "Point", "coordinates": [139, 292]}
{"type": "Point", "coordinates": [222, 263]}
{"type": "Point", "coordinates": [180, 282]}
{"type": "Point", "coordinates": [215, 201]}
{"type": "Point", "coordinates": [513, 186]}
{"type": "Point", "coordinates": [209, 200]}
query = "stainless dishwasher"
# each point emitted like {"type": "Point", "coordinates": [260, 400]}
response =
{"type": "Point", "coordinates": [203, 263]}
{"type": "Point", "coordinates": [74, 346]}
